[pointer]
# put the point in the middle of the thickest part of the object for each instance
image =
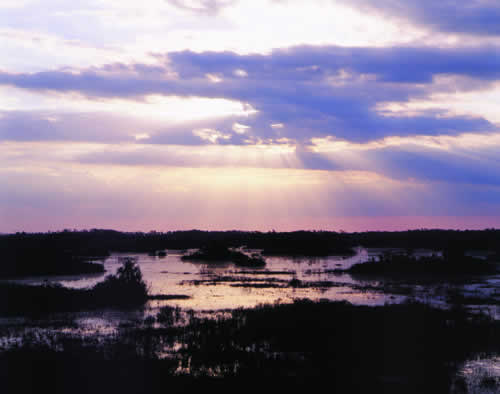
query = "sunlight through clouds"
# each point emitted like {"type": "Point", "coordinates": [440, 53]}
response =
{"type": "Point", "coordinates": [476, 103]}
{"type": "Point", "coordinates": [152, 107]}
{"type": "Point", "coordinates": [181, 112]}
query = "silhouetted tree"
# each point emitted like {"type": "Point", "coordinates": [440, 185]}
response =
{"type": "Point", "coordinates": [127, 287]}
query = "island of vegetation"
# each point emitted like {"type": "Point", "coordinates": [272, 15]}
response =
{"type": "Point", "coordinates": [125, 289]}
{"type": "Point", "coordinates": [219, 253]}
{"type": "Point", "coordinates": [452, 263]}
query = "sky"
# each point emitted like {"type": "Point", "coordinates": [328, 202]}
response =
{"type": "Point", "coordinates": [165, 115]}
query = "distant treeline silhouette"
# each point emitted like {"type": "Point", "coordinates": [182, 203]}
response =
{"type": "Point", "coordinates": [69, 252]}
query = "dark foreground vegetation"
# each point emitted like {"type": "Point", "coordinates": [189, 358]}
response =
{"type": "Point", "coordinates": [456, 264]}
{"type": "Point", "coordinates": [125, 289]}
{"type": "Point", "coordinates": [217, 253]}
{"type": "Point", "coordinates": [408, 348]}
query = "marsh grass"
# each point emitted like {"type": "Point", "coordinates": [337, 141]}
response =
{"type": "Point", "coordinates": [398, 348]}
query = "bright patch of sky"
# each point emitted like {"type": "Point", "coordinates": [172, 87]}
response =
{"type": "Point", "coordinates": [54, 33]}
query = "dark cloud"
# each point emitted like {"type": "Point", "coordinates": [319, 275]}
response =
{"type": "Point", "coordinates": [393, 64]}
{"type": "Point", "coordinates": [480, 17]}
{"type": "Point", "coordinates": [420, 163]}
{"type": "Point", "coordinates": [437, 165]}
{"type": "Point", "coordinates": [298, 64]}
{"type": "Point", "coordinates": [314, 91]}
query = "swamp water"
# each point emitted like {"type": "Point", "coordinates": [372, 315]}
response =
{"type": "Point", "coordinates": [213, 288]}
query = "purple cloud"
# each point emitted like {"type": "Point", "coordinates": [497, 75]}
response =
{"type": "Point", "coordinates": [479, 17]}
{"type": "Point", "coordinates": [306, 88]}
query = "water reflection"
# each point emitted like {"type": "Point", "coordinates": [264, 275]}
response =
{"type": "Point", "coordinates": [225, 286]}
{"type": "Point", "coordinates": [216, 287]}
{"type": "Point", "coordinates": [481, 375]}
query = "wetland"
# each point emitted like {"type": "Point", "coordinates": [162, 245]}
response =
{"type": "Point", "coordinates": [370, 318]}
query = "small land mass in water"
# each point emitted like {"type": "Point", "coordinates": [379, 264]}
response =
{"type": "Point", "coordinates": [220, 253]}
{"type": "Point", "coordinates": [451, 264]}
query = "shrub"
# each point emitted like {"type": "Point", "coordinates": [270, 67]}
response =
{"type": "Point", "coordinates": [127, 287]}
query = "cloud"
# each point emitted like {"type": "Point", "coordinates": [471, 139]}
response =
{"type": "Point", "coordinates": [393, 64]}
{"type": "Point", "coordinates": [479, 17]}
{"type": "Point", "coordinates": [409, 65]}
{"type": "Point", "coordinates": [458, 161]}
{"type": "Point", "coordinates": [112, 128]}
{"type": "Point", "coordinates": [50, 126]}
{"type": "Point", "coordinates": [312, 91]}
{"type": "Point", "coordinates": [166, 187]}
{"type": "Point", "coordinates": [442, 160]}
{"type": "Point", "coordinates": [105, 119]}
{"type": "Point", "coordinates": [202, 6]}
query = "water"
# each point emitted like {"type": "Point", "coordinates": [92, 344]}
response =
{"type": "Point", "coordinates": [481, 376]}
{"type": "Point", "coordinates": [225, 286]}
{"type": "Point", "coordinates": [215, 287]}
{"type": "Point", "coordinates": [171, 275]}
